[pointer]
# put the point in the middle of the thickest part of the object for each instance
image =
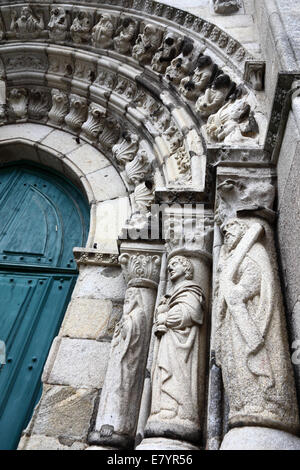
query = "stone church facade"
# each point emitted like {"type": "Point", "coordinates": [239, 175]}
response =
{"type": "Point", "coordinates": [174, 129]}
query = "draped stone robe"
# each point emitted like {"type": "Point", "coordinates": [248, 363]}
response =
{"type": "Point", "coordinates": [251, 344]}
{"type": "Point", "coordinates": [175, 371]}
{"type": "Point", "coordinates": [124, 378]}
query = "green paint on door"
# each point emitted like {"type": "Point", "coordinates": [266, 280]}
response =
{"type": "Point", "coordinates": [42, 217]}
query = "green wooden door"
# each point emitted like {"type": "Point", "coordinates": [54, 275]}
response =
{"type": "Point", "coordinates": [42, 217]}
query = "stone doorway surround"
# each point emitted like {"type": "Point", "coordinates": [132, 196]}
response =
{"type": "Point", "coordinates": [140, 103]}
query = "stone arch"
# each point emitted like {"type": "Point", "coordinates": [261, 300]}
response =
{"type": "Point", "coordinates": [84, 165]}
{"type": "Point", "coordinates": [74, 79]}
{"type": "Point", "coordinates": [158, 124]}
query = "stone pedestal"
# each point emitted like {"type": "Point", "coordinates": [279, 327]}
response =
{"type": "Point", "coordinates": [259, 438]}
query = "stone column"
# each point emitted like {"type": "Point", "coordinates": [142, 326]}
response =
{"type": "Point", "coordinates": [250, 338]}
{"type": "Point", "coordinates": [180, 326]}
{"type": "Point", "coordinates": [122, 391]}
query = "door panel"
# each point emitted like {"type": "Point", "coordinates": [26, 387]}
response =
{"type": "Point", "coordinates": [58, 219]}
{"type": "Point", "coordinates": [42, 217]}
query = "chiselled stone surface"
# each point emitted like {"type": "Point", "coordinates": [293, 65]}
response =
{"type": "Point", "coordinates": [100, 283]}
{"type": "Point", "coordinates": [80, 363]}
{"type": "Point", "coordinates": [40, 442]}
{"type": "Point", "coordinates": [86, 318]}
{"type": "Point", "coordinates": [64, 413]}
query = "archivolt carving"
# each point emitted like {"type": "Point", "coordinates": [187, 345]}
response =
{"type": "Point", "coordinates": [26, 25]}
{"type": "Point", "coordinates": [77, 114]}
{"type": "Point", "coordinates": [233, 123]}
{"type": "Point", "coordinates": [164, 118]}
{"type": "Point", "coordinates": [192, 86]}
{"type": "Point", "coordinates": [184, 63]}
{"type": "Point", "coordinates": [60, 107]}
{"type": "Point", "coordinates": [81, 27]}
{"type": "Point", "coordinates": [94, 123]}
{"type": "Point", "coordinates": [103, 31]}
{"type": "Point", "coordinates": [17, 103]}
{"type": "Point", "coordinates": [59, 24]}
{"type": "Point", "coordinates": [125, 36]}
{"type": "Point", "coordinates": [167, 51]}
{"type": "Point", "coordinates": [147, 44]}
{"type": "Point", "coordinates": [125, 150]}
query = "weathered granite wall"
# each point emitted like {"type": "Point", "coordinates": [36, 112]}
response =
{"type": "Point", "coordinates": [288, 224]}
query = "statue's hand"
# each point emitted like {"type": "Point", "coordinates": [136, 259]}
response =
{"type": "Point", "coordinates": [174, 319]}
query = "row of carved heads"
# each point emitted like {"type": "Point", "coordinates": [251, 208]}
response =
{"type": "Point", "coordinates": [107, 30]}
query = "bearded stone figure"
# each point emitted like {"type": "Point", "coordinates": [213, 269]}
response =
{"type": "Point", "coordinates": [27, 25]}
{"type": "Point", "coordinates": [251, 342]}
{"type": "Point", "coordinates": [121, 392]}
{"type": "Point", "coordinates": [175, 371]}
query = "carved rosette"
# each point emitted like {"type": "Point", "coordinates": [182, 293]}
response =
{"type": "Point", "coordinates": [141, 269]}
{"type": "Point", "coordinates": [78, 110]}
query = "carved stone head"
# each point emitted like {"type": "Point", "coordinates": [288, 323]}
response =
{"type": "Point", "coordinates": [26, 12]}
{"type": "Point", "coordinates": [234, 230]}
{"type": "Point", "coordinates": [180, 267]}
{"type": "Point", "coordinates": [203, 62]}
{"type": "Point", "coordinates": [222, 81]}
{"type": "Point", "coordinates": [131, 300]}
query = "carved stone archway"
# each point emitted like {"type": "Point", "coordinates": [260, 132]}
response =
{"type": "Point", "coordinates": [139, 103]}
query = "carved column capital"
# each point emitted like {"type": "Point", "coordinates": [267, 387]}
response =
{"type": "Point", "coordinates": [244, 191]}
{"type": "Point", "coordinates": [141, 264]}
{"type": "Point", "coordinates": [187, 230]}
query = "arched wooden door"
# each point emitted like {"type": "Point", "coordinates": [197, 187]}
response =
{"type": "Point", "coordinates": [42, 217]}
